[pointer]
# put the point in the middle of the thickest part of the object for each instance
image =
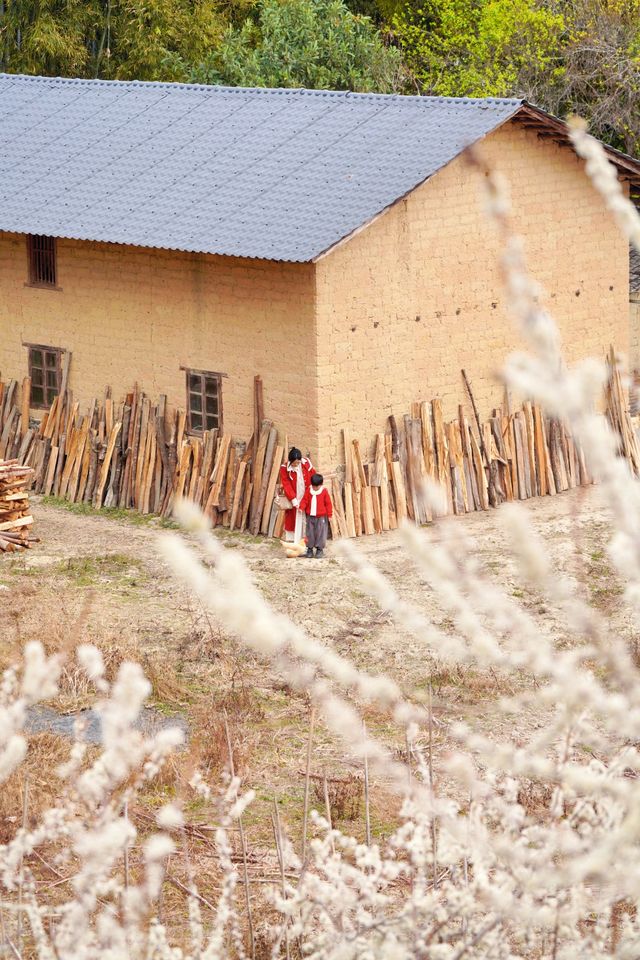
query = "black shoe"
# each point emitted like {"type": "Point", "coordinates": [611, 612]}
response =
{"type": "Point", "coordinates": [309, 552]}
{"type": "Point", "coordinates": [319, 554]}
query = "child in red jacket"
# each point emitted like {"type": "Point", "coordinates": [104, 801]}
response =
{"type": "Point", "coordinates": [317, 505]}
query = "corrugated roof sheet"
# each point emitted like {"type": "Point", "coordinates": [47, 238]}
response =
{"type": "Point", "coordinates": [275, 174]}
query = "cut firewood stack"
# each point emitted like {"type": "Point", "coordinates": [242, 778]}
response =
{"type": "Point", "coordinates": [516, 454]}
{"type": "Point", "coordinates": [15, 516]}
{"type": "Point", "coordinates": [136, 454]}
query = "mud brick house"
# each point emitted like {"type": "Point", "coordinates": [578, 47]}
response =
{"type": "Point", "coordinates": [187, 238]}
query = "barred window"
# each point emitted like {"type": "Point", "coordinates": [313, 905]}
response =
{"type": "Point", "coordinates": [45, 371]}
{"type": "Point", "coordinates": [204, 401]}
{"type": "Point", "coordinates": [42, 261]}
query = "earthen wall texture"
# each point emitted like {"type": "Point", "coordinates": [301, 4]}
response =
{"type": "Point", "coordinates": [131, 315]}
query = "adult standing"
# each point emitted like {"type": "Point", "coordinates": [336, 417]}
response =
{"type": "Point", "coordinates": [295, 477]}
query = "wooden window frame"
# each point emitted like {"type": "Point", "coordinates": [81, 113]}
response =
{"type": "Point", "coordinates": [204, 375]}
{"type": "Point", "coordinates": [57, 353]}
{"type": "Point", "coordinates": [41, 262]}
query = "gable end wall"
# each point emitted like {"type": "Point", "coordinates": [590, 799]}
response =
{"type": "Point", "coordinates": [408, 302]}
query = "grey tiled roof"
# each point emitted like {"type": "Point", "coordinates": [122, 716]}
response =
{"type": "Point", "coordinates": [634, 270]}
{"type": "Point", "coordinates": [275, 174]}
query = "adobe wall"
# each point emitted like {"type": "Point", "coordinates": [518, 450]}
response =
{"type": "Point", "coordinates": [407, 302]}
{"type": "Point", "coordinates": [134, 315]}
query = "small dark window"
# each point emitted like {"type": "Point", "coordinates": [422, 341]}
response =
{"type": "Point", "coordinates": [42, 261]}
{"type": "Point", "coordinates": [45, 373]}
{"type": "Point", "coordinates": [204, 401]}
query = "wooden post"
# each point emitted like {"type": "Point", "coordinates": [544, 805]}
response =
{"type": "Point", "coordinates": [258, 417]}
{"type": "Point", "coordinates": [493, 498]}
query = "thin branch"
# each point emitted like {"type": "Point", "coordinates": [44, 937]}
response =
{"type": "Point", "coordinates": [367, 810]}
{"type": "Point", "coordinates": [243, 847]}
{"type": "Point", "coordinates": [277, 832]}
{"type": "Point", "coordinates": [327, 806]}
{"type": "Point", "coordinates": [25, 810]}
{"type": "Point", "coordinates": [305, 816]}
{"type": "Point", "coordinates": [433, 819]}
{"type": "Point", "coordinates": [190, 893]}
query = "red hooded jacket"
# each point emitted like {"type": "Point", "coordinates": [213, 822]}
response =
{"type": "Point", "coordinates": [289, 479]}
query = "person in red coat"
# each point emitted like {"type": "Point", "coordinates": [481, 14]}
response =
{"type": "Point", "coordinates": [295, 477]}
{"type": "Point", "coordinates": [318, 507]}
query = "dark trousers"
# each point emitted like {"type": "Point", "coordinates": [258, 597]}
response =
{"type": "Point", "coordinates": [317, 530]}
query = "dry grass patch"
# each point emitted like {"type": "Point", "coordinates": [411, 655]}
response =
{"type": "Point", "coordinates": [344, 796]}
{"type": "Point", "coordinates": [34, 779]}
{"type": "Point", "coordinates": [61, 619]}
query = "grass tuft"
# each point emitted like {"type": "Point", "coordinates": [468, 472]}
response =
{"type": "Point", "coordinates": [111, 513]}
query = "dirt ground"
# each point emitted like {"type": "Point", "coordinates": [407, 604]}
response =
{"type": "Point", "coordinates": [100, 578]}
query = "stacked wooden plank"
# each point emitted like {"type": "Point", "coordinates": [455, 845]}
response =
{"type": "Point", "coordinates": [518, 454]}
{"type": "Point", "coordinates": [15, 516]}
{"type": "Point", "coordinates": [137, 454]}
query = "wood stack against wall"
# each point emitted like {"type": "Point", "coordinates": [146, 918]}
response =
{"type": "Point", "coordinates": [136, 454]}
{"type": "Point", "coordinates": [518, 455]}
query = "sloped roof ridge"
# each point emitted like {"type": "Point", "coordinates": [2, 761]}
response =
{"type": "Point", "coordinates": [276, 174]}
{"type": "Point", "coordinates": [276, 91]}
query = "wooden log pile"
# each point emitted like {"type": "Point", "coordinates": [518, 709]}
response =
{"type": "Point", "coordinates": [15, 517]}
{"type": "Point", "coordinates": [135, 454]}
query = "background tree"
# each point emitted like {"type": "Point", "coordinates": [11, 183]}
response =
{"type": "Point", "coordinates": [161, 39]}
{"type": "Point", "coordinates": [123, 39]}
{"type": "Point", "coordinates": [480, 47]}
{"type": "Point", "coordinates": [304, 43]}
{"type": "Point", "coordinates": [380, 11]}
{"type": "Point", "coordinates": [46, 36]}
{"type": "Point", "coordinates": [600, 79]}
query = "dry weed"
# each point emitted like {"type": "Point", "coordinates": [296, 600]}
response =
{"type": "Point", "coordinates": [36, 775]}
{"type": "Point", "coordinates": [535, 798]}
{"type": "Point", "coordinates": [345, 796]}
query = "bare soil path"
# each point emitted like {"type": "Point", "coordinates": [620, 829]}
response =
{"type": "Point", "coordinates": [99, 578]}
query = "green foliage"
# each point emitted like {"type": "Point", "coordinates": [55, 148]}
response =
{"type": "Point", "coordinates": [317, 44]}
{"type": "Point", "coordinates": [479, 47]}
{"type": "Point", "coordinates": [160, 39]}
{"type": "Point", "coordinates": [380, 11]}
{"type": "Point", "coordinates": [46, 36]}
{"type": "Point", "coordinates": [123, 39]}
{"type": "Point", "coordinates": [568, 56]}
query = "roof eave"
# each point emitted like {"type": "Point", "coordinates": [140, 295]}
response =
{"type": "Point", "coordinates": [552, 128]}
